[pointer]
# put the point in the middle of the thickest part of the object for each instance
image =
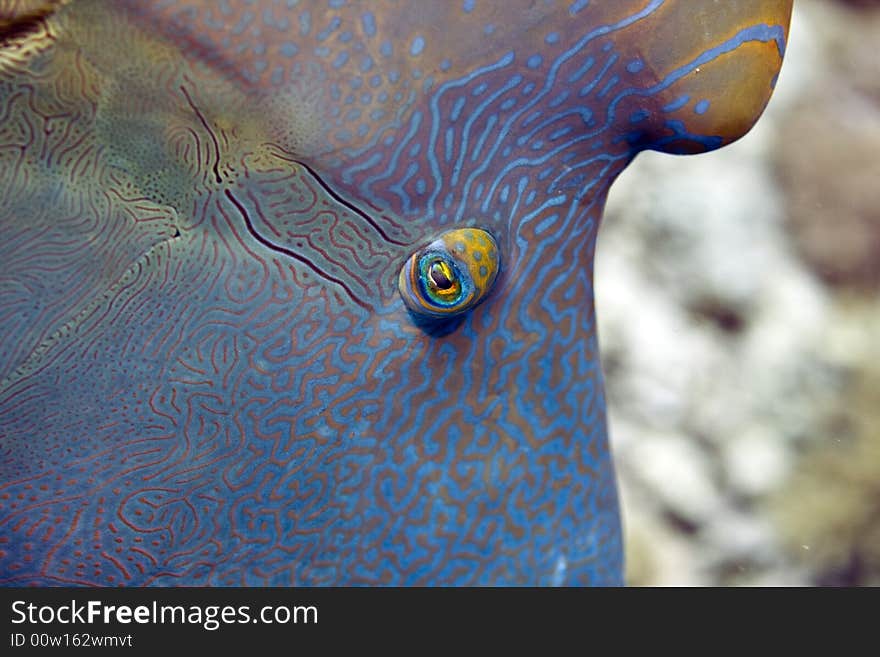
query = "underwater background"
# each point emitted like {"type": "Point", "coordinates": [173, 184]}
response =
{"type": "Point", "coordinates": [738, 298]}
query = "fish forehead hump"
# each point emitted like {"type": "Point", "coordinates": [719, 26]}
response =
{"type": "Point", "coordinates": [206, 372]}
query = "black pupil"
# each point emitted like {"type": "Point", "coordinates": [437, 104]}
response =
{"type": "Point", "coordinates": [439, 277]}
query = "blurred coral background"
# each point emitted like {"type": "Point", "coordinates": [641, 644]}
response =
{"type": "Point", "coordinates": [738, 299]}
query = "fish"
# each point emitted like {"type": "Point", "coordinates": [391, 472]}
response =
{"type": "Point", "coordinates": [302, 293]}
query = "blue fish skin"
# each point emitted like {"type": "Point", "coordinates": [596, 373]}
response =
{"type": "Point", "coordinates": [208, 375]}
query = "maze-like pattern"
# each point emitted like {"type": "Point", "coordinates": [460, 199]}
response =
{"type": "Point", "coordinates": [206, 373]}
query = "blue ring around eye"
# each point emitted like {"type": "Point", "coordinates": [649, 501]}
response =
{"type": "Point", "coordinates": [445, 279]}
{"type": "Point", "coordinates": [462, 280]}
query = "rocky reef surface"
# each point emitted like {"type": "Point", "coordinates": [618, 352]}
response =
{"type": "Point", "coordinates": [738, 296]}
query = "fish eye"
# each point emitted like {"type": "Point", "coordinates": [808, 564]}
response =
{"type": "Point", "coordinates": [440, 280]}
{"type": "Point", "coordinates": [441, 277]}
{"type": "Point", "coordinates": [451, 275]}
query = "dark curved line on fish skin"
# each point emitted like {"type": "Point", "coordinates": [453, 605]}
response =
{"type": "Point", "coordinates": [280, 249]}
{"type": "Point", "coordinates": [216, 166]}
{"type": "Point", "coordinates": [24, 25]}
{"type": "Point", "coordinates": [336, 197]}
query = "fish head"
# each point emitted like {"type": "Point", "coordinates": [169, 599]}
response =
{"type": "Point", "coordinates": [303, 295]}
